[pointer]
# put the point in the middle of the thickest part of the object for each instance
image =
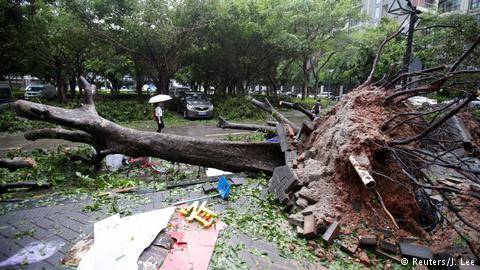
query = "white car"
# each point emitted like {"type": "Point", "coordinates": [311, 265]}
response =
{"type": "Point", "coordinates": [419, 101]}
{"type": "Point", "coordinates": [40, 91]}
{"type": "Point", "coordinates": [475, 104]}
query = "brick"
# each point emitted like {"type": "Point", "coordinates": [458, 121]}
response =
{"type": "Point", "coordinates": [368, 240]}
{"type": "Point", "coordinates": [331, 233]}
{"type": "Point", "coordinates": [415, 251]}
{"type": "Point", "coordinates": [309, 226]}
{"type": "Point", "coordinates": [388, 246]}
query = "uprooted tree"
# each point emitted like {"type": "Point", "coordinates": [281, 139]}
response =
{"type": "Point", "coordinates": [404, 148]}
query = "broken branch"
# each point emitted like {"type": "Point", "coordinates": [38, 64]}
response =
{"type": "Point", "coordinates": [298, 107]}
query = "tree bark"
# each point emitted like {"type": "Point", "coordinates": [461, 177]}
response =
{"type": "Point", "coordinates": [113, 138]}
{"type": "Point", "coordinates": [298, 107]}
{"type": "Point", "coordinates": [17, 163]}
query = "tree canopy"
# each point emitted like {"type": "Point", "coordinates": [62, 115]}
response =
{"type": "Point", "coordinates": [225, 44]}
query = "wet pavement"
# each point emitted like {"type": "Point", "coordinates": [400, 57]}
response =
{"type": "Point", "coordinates": [69, 222]}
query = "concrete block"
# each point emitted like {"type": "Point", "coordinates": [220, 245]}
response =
{"type": "Point", "coordinates": [296, 219]}
{"type": "Point", "coordinates": [331, 233]}
{"type": "Point", "coordinates": [309, 226]}
{"type": "Point", "coordinates": [306, 194]}
{"type": "Point", "coordinates": [368, 240]}
{"type": "Point", "coordinates": [415, 251]}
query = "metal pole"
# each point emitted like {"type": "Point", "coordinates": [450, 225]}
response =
{"type": "Point", "coordinates": [408, 50]}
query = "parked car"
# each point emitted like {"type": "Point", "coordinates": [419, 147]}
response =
{"type": "Point", "coordinates": [40, 91]}
{"type": "Point", "coordinates": [195, 105]}
{"type": "Point", "coordinates": [176, 92]}
{"type": "Point", "coordinates": [5, 93]}
{"type": "Point", "coordinates": [420, 101]}
{"type": "Point", "coordinates": [475, 104]}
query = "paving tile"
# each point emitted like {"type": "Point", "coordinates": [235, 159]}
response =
{"type": "Point", "coordinates": [42, 265]}
{"type": "Point", "coordinates": [8, 231]}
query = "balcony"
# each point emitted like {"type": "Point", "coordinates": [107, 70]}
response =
{"type": "Point", "coordinates": [448, 6]}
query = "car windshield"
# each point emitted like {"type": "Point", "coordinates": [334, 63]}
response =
{"type": "Point", "coordinates": [196, 97]}
{"type": "Point", "coordinates": [35, 89]}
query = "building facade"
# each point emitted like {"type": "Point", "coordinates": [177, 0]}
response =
{"type": "Point", "coordinates": [376, 9]}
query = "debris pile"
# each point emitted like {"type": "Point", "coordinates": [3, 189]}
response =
{"type": "Point", "coordinates": [338, 173]}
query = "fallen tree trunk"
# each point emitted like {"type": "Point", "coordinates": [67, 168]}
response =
{"type": "Point", "coordinates": [223, 123]}
{"type": "Point", "coordinates": [109, 137]}
{"type": "Point", "coordinates": [17, 163]}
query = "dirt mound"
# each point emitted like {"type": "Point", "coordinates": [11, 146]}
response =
{"type": "Point", "coordinates": [352, 127]}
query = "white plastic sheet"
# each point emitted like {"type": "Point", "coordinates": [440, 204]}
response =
{"type": "Point", "coordinates": [119, 242]}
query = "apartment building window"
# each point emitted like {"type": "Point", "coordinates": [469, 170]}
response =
{"type": "Point", "coordinates": [477, 17]}
{"type": "Point", "coordinates": [448, 5]}
{"type": "Point", "coordinates": [475, 4]}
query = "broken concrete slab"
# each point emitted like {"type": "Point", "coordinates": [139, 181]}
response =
{"type": "Point", "coordinates": [301, 202]}
{"type": "Point", "coordinates": [415, 251]}
{"type": "Point", "coordinates": [296, 219]}
{"type": "Point", "coordinates": [331, 233]}
{"type": "Point", "coordinates": [308, 210]}
{"type": "Point", "coordinates": [309, 226]}
{"type": "Point", "coordinates": [369, 240]}
{"type": "Point", "coordinates": [307, 194]}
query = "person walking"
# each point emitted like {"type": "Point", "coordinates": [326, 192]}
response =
{"type": "Point", "coordinates": [158, 116]}
{"type": "Point", "coordinates": [316, 109]}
